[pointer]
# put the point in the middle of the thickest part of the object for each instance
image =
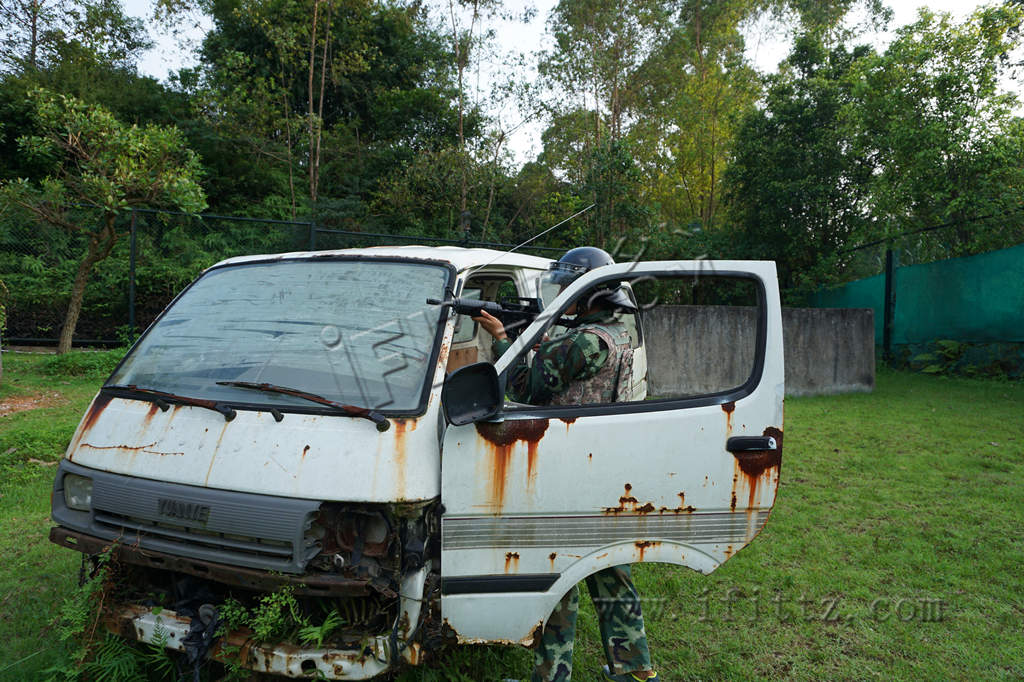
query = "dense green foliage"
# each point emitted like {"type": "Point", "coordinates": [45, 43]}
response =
{"type": "Point", "coordinates": [92, 159]}
{"type": "Point", "coordinates": [360, 116]}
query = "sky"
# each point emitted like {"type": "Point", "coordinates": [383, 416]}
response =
{"type": "Point", "coordinates": [766, 47]}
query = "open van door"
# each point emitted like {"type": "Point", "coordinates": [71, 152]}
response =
{"type": "Point", "coordinates": [538, 497]}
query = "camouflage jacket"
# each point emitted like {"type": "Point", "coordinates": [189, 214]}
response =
{"type": "Point", "coordinates": [574, 368]}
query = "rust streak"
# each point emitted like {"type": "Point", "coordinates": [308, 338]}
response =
{"type": "Point", "coordinates": [501, 438]}
{"type": "Point", "coordinates": [512, 562]}
{"type": "Point", "coordinates": [551, 559]}
{"type": "Point", "coordinates": [628, 499]}
{"type": "Point", "coordinates": [99, 404]}
{"type": "Point", "coordinates": [759, 465]}
{"type": "Point", "coordinates": [213, 455]}
{"type": "Point", "coordinates": [96, 408]}
{"type": "Point", "coordinates": [401, 428]}
{"type": "Point", "coordinates": [645, 544]}
{"type": "Point", "coordinates": [137, 448]}
{"type": "Point", "coordinates": [531, 463]}
{"type": "Point", "coordinates": [728, 408]}
{"type": "Point", "coordinates": [305, 451]}
{"type": "Point", "coordinates": [150, 413]}
{"type": "Point", "coordinates": [753, 464]}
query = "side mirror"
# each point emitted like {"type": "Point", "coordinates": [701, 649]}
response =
{"type": "Point", "coordinates": [471, 393]}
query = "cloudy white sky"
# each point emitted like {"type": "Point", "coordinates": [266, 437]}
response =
{"type": "Point", "coordinates": [766, 46]}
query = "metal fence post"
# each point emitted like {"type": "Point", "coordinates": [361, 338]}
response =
{"type": "Point", "coordinates": [131, 274]}
{"type": "Point", "coordinates": [891, 262]}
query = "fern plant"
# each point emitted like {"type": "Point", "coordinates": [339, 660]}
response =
{"type": "Point", "coordinates": [315, 635]}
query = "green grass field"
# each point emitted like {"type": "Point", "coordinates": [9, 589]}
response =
{"type": "Point", "coordinates": [894, 550]}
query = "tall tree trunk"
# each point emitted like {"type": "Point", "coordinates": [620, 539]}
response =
{"type": "Point", "coordinates": [34, 40]}
{"type": "Point", "coordinates": [291, 161]}
{"type": "Point", "coordinates": [461, 60]}
{"type": "Point", "coordinates": [100, 245]}
{"type": "Point", "coordinates": [315, 161]}
{"type": "Point", "coordinates": [314, 126]}
{"type": "Point", "coordinates": [494, 175]}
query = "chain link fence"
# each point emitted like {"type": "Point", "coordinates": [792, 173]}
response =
{"type": "Point", "coordinates": [156, 255]}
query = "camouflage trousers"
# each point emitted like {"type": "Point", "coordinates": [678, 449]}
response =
{"type": "Point", "coordinates": [617, 604]}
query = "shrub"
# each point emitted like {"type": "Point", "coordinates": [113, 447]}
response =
{"type": "Point", "coordinates": [91, 364]}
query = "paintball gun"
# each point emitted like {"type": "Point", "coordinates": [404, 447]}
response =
{"type": "Point", "coordinates": [514, 315]}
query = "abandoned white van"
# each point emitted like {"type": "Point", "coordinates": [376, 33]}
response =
{"type": "Point", "coordinates": [308, 421]}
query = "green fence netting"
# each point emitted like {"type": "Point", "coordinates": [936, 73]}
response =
{"type": "Point", "coordinates": [976, 300]}
{"type": "Point", "coordinates": [862, 293]}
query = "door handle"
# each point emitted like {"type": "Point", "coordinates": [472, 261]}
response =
{"type": "Point", "coordinates": [751, 444]}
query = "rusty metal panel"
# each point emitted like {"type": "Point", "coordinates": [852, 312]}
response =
{"type": "Point", "coordinates": [529, 494]}
{"type": "Point", "coordinates": [305, 456]}
{"type": "Point", "coordinates": [373, 657]}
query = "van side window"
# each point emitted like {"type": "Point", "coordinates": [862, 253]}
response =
{"type": "Point", "coordinates": [692, 335]}
{"type": "Point", "coordinates": [465, 327]}
{"type": "Point", "coordinates": [469, 344]}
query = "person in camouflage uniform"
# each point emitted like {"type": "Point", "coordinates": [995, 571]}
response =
{"type": "Point", "coordinates": [592, 363]}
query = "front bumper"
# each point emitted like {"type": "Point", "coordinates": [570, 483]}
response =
{"type": "Point", "coordinates": [374, 655]}
{"type": "Point", "coordinates": [163, 626]}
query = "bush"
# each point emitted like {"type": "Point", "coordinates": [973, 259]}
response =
{"type": "Point", "coordinates": [79, 363]}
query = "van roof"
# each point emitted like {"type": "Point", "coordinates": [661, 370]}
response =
{"type": "Point", "coordinates": [461, 258]}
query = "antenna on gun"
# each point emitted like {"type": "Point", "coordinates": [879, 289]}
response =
{"type": "Point", "coordinates": [536, 236]}
{"type": "Point", "coordinates": [540, 235]}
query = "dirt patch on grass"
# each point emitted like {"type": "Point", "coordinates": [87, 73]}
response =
{"type": "Point", "coordinates": [21, 403]}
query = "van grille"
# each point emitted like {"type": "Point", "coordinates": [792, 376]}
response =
{"type": "Point", "coordinates": [254, 546]}
{"type": "Point", "coordinates": [222, 526]}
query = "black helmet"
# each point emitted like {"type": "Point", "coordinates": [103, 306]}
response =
{"type": "Point", "coordinates": [581, 260]}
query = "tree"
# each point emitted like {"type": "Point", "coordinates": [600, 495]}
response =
{"type": "Point", "coordinates": [381, 95]}
{"type": "Point", "coordinates": [98, 162]}
{"type": "Point", "coordinates": [693, 90]}
{"type": "Point", "coordinates": [942, 136]}
{"type": "Point", "coordinates": [35, 33]}
{"type": "Point", "coordinates": [796, 188]}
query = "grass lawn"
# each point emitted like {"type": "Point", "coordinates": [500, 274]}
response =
{"type": "Point", "coordinates": [894, 550]}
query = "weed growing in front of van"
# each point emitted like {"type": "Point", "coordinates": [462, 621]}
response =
{"type": "Point", "coordinates": [80, 612]}
{"type": "Point", "coordinates": [314, 636]}
{"type": "Point", "coordinates": [115, 660]}
{"type": "Point", "coordinates": [96, 654]}
{"type": "Point", "coordinates": [276, 616]}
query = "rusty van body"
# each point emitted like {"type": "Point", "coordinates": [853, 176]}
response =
{"type": "Point", "coordinates": [307, 422]}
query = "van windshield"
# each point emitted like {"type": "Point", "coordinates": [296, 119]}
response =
{"type": "Point", "coordinates": [357, 332]}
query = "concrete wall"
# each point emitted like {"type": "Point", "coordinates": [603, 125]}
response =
{"type": "Point", "coordinates": [696, 349]}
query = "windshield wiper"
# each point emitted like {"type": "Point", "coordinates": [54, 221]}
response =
{"type": "Point", "coordinates": [228, 413]}
{"type": "Point", "coordinates": [351, 410]}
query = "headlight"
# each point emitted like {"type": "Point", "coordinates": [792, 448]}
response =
{"type": "Point", "coordinates": [78, 492]}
